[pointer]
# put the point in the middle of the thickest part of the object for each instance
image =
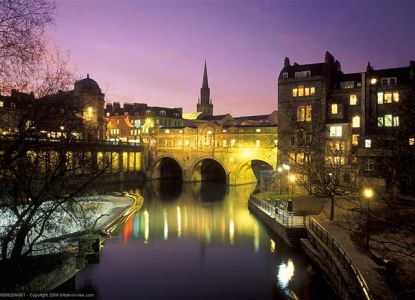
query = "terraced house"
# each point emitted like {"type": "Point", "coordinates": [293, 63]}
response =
{"type": "Point", "coordinates": [364, 121]}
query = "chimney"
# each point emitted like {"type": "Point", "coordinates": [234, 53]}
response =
{"type": "Point", "coordinates": [286, 62]}
{"type": "Point", "coordinates": [329, 58]}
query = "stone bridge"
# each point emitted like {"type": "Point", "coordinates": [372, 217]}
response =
{"type": "Point", "coordinates": [234, 154]}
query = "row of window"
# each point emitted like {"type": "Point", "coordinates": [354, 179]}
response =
{"type": "Point", "coordinates": [388, 97]}
{"type": "Point", "coordinates": [302, 91]}
{"type": "Point", "coordinates": [388, 121]}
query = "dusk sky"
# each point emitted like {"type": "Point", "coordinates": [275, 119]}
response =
{"type": "Point", "coordinates": [153, 51]}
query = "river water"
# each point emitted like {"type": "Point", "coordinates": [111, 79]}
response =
{"type": "Point", "coordinates": [198, 241]}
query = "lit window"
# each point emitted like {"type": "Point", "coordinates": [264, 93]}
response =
{"type": "Point", "coordinates": [356, 122]}
{"type": "Point", "coordinates": [233, 143]}
{"type": "Point", "coordinates": [1, 104]}
{"type": "Point", "coordinates": [308, 113]}
{"type": "Point", "coordinates": [108, 114]}
{"type": "Point", "coordinates": [395, 97]}
{"type": "Point", "coordinates": [284, 75]}
{"type": "Point", "coordinates": [368, 143]}
{"type": "Point", "coordinates": [295, 92]}
{"type": "Point", "coordinates": [301, 114]}
{"type": "Point", "coordinates": [307, 92]}
{"type": "Point", "coordinates": [258, 143]}
{"type": "Point", "coordinates": [300, 91]}
{"type": "Point", "coordinates": [312, 91]}
{"type": "Point", "coordinates": [334, 109]}
{"type": "Point", "coordinates": [224, 143]}
{"type": "Point", "coordinates": [373, 81]}
{"type": "Point", "coordinates": [388, 120]}
{"type": "Point", "coordinates": [353, 99]}
{"type": "Point", "coordinates": [411, 141]}
{"type": "Point", "coordinates": [336, 131]}
{"type": "Point", "coordinates": [395, 121]}
{"type": "Point", "coordinates": [387, 98]}
{"type": "Point", "coordinates": [258, 130]}
{"type": "Point", "coordinates": [380, 98]}
{"type": "Point", "coordinates": [380, 121]}
{"type": "Point", "coordinates": [355, 139]}
{"type": "Point", "coordinates": [167, 131]}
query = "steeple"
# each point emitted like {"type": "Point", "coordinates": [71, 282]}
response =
{"type": "Point", "coordinates": [205, 83]}
{"type": "Point", "coordinates": [205, 103]}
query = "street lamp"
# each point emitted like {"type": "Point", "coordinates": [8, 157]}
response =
{"type": "Point", "coordinates": [279, 169]}
{"type": "Point", "coordinates": [368, 194]}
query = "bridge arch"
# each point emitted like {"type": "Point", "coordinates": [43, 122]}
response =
{"type": "Point", "coordinates": [250, 170]}
{"type": "Point", "coordinates": [208, 169]}
{"type": "Point", "coordinates": [167, 167]}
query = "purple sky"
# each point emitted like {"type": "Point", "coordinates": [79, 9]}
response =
{"type": "Point", "coordinates": [154, 51]}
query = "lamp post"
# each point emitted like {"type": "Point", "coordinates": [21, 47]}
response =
{"type": "Point", "coordinates": [291, 178]}
{"type": "Point", "coordinates": [368, 194]}
{"type": "Point", "coordinates": [279, 169]}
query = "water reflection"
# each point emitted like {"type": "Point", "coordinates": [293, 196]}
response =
{"type": "Point", "coordinates": [191, 247]}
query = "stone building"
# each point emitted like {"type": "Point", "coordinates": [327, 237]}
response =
{"type": "Point", "coordinates": [86, 100]}
{"type": "Point", "coordinates": [365, 118]}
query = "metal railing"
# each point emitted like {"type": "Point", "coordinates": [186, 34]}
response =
{"type": "Point", "coordinates": [340, 254]}
{"type": "Point", "coordinates": [286, 218]}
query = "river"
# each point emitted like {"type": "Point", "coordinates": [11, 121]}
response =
{"type": "Point", "coordinates": [198, 241]}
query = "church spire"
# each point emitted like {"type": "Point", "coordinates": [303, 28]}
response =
{"type": "Point", "coordinates": [205, 103]}
{"type": "Point", "coordinates": [205, 83]}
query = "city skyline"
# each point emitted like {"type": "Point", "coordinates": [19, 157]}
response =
{"type": "Point", "coordinates": [154, 52]}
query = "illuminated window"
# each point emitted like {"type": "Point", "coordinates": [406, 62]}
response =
{"type": "Point", "coordinates": [308, 116]}
{"type": "Point", "coordinates": [312, 91]}
{"type": "Point", "coordinates": [368, 143]}
{"type": "Point", "coordinates": [356, 122]}
{"type": "Point", "coordinates": [355, 139]}
{"type": "Point", "coordinates": [380, 97]}
{"type": "Point", "coordinates": [411, 141]}
{"type": "Point", "coordinates": [380, 121]}
{"type": "Point", "coordinates": [295, 92]}
{"type": "Point", "coordinates": [307, 92]}
{"type": "Point", "coordinates": [353, 99]}
{"type": "Point", "coordinates": [387, 98]}
{"type": "Point", "coordinates": [258, 143]}
{"type": "Point", "coordinates": [224, 143]}
{"type": "Point", "coordinates": [1, 104]}
{"type": "Point", "coordinates": [301, 113]}
{"type": "Point", "coordinates": [388, 121]}
{"type": "Point", "coordinates": [258, 130]}
{"type": "Point", "coordinates": [395, 97]}
{"type": "Point", "coordinates": [336, 131]}
{"type": "Point", "coordinates": [300, 91]}
{"type": "Point", "coordinates": [186, 142]}
{"type": "Point", "coordinates": [334, 109]}
{"type": "Point", "coordinates": [233, 143]}
{"type": "Point", "coordinates": [395, 120]}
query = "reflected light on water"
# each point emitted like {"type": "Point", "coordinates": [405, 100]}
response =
{"type": "Point", "coordinates": [179, 222]}
{"type": "Point", "coordinates": [146, 226]}
{"type": "Point", "coordinates": [256, 238]}
{"type": "Point", "coordinates": [166, 225]}
{"type": "Point", "coordinates": [231, 232]}
{"type": "Point", "coordinates": [136, 229]}
{"type": "Point", "coordinates": [272, 245]}
{"type": "Point", "coordinates": [285, 273]}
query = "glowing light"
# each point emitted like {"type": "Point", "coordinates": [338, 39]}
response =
{"type": "Point", "coordinates": [146, 226]}
{"type": "Point", "coordinates": [368, 193]}
{"type": "Point", "coordinates": [292, 178]}
{"type": "Point", "coordinates": [373, 81]}
{"type": "Point", "coordinates": [272, 246]}
{"type": "Point", "coordinates": [231, 232]}
{"type": "Point", "coordinates": [231, 159]}
{"type": "Point", "coordinates": [136, 229]}
{"type": "Point", "coordinates": [179, 222]}
{"type": "Point", "coordinates": [256, 238]}
{"type": "Point", "coordinates": [246, 153]}
{"type": "Point", "coordinates": [166, 225]}
{"type": "Point", "coordinates": [285, 273]}
{"type": "Point", "coordinates": [62, 128]}
{"type": "Point", "coordinates": [167, 131]}
{"type": "Point", "coordinates": [89, 110]}
{"type": "Point", "coordinates": [279, 169]}
{"type": "Point", "coordinates": [286, 167]}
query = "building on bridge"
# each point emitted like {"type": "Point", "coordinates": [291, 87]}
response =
{"type": "Point", "coordinates": [132, 121]}
{"type": "Point", "coordinates": [367, 117]}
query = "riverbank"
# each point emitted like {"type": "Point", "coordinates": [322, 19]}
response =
{"type": "Point", "coordinates": [329, 262]}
